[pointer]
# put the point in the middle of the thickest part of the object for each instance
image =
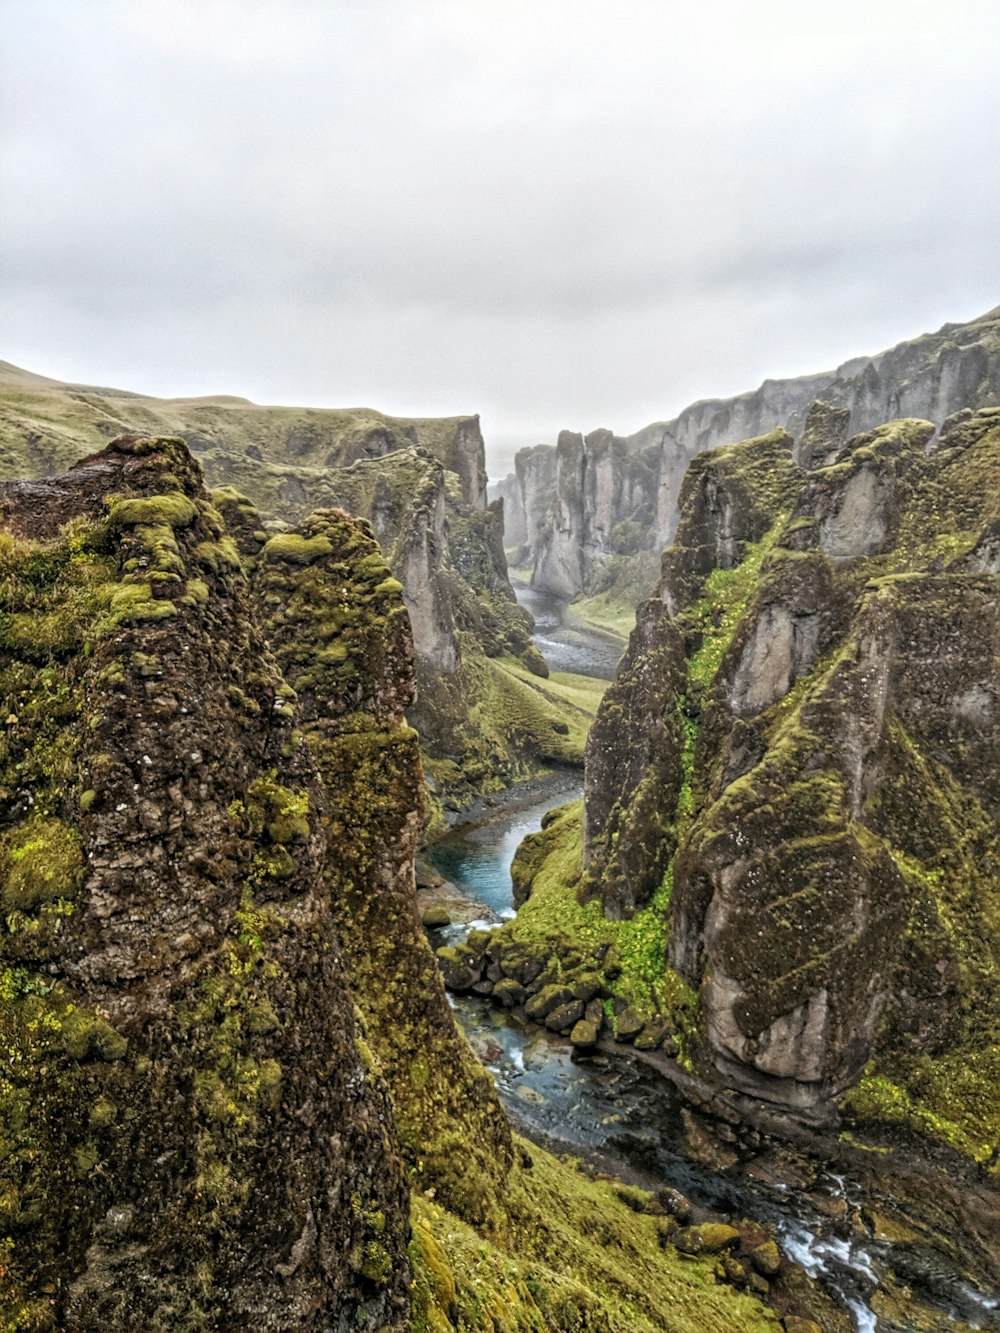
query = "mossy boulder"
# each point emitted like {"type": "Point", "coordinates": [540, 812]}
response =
{"type": "Point", "coordinates": [766, 1258]}
{"type": "Point", "coordinates": [707, 1238]}
{"type": "Point", "coordinates": [564, 1016]}
{"type": "Point", "coordinates": [548, 999]}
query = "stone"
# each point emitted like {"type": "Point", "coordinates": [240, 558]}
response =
{"type": "Point", "coordinates": [550, 997]}
{"type": "Point", "coordinates": [455, 970]}
{"type": "Point", "coordinates": [674, 1202]}
{"type": "Point", "coordinates": [584, 1033]}
{"type": "Point", "coordinates": [564, 1016]}
{"type": "Point", "coordinates": [707, 1238]}
{"type": "Point", "coordinates": [653, 1034]}
{"type": "Point", "coordinates": [435, 917]}
{"type": "Point", "coordinates": [509, 992]}
{"type": "Point", "coordinates": [766, 1258]}
{"type": "Point", "coordinates": [628, 1024]}
{"type": "Point", "coordinates": [588, 986]}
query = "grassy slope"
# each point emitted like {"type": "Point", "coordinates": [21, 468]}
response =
{"type": "Point", "coordinates": [575, 1257]}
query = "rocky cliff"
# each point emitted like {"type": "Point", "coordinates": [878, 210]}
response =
{"type": "Point", "coordinates": [602, 498]}
{"type": "Point", "coordinates": [797, 766]}
{"type": "Point", "coordinates": [233, 1094]}
{"type": "Point", "coordinates": [191, 1136]}
{"type": "Point", "coordinates": [421, 484]}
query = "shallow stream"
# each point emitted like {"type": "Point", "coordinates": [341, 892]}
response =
{"type": "Point", "coordinates": [627, 1118]}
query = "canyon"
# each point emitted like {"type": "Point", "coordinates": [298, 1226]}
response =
{"type": "Point", "coordinates": [255, 661]}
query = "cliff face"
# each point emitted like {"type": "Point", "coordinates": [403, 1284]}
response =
{"type": "Point", "coordinates": [421, 484]}
{"type": "Point", "coordinates": [335, 618]}
{"type": "Point", "coordinates": [596, 510]}
{"type": "Point", "coordinates": [171, 976]}
{"type": "Point", "coordinates": [816, 780]}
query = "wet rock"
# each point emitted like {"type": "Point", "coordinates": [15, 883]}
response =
{"type": "Point", "coordinates": [564, 1016]}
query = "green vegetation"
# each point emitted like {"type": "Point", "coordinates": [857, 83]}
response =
{"type": "Point", "coordinates": [573, 1256]}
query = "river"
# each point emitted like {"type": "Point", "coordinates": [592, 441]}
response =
{"type": "Point", "coordinates": [565, 646]}
{"type": "Point", "coordinates": [627, 1116]}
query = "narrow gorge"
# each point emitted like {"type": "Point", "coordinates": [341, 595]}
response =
{"type": "Point", "coordinates": [379, 953]}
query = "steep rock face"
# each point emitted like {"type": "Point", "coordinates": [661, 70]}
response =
{"type": "Point", "coordinates": [603, 504]}
{"type": "Point", "coordinates": [421, 484]}
{"type": "Point", "coordinates": [835, 888]}
{"type": "Point", "coordinates": [535, 475]}
{"type": "Point", "coordinates": [336, 620]}
{"type": "Point", "coordinates": [171, 976]}
{"type": "Point", "coordinates": [929, 377]}
{"type": "Point", "coordinates": [515, 520]}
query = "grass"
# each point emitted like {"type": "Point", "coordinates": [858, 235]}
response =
{"type": "Point", "coordinates": [575, 1257]}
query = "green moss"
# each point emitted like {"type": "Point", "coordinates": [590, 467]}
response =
{"type": "Point", "coordinates": [297, 550]}
{"type": "Point", "coordinates": [43, 860]}
{"type": "Point", "coordinates": [170, 511]}
{"type": "Point", "coordinates": [724, 600]}
{"type": "Point", "coordinates": [574, 1256]}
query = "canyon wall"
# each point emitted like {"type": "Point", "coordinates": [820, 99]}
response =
{"type": "Point", "coordinates": [421, 483]}
{"type": "Point", "coordinates": [597, 500]}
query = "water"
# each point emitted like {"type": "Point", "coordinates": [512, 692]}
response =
{"type": "Point", "coordinates": [628, 1116]}
{"type": "Point", "coordinates": [566, 647]}
{"type": "Point", "coordinates": [478, 859]}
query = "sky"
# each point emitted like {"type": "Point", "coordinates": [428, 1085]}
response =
{"type": "Point", "coordinates": [555, 213]}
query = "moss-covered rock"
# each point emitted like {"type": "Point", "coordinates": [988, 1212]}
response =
{"type": "Point", "coordinates": [792, 786]}
{"type": "Point", "coordinates": [341, 633]}
{"type": "Point", "coordinates": [169, 1146]}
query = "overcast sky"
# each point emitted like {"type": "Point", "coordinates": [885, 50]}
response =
{"type": "Point", "coordinates": [553, 213]}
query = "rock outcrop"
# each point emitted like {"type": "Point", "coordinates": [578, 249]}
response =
{"type": "Point", "coordinates": [232, 1092]}
{"type": "Point", "coordinates": [592, 504]}
{"type": "Point", "coordinates": [422, 486]}
{"type": "Point", "coordinates": [824, 641]}
{"type": "Point", "coordinates": [192, 1134]}
{"type": "Point", "coordinates": [336, 621]}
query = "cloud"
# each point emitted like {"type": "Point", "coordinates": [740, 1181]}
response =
{"type": "Point", "coordinates": [547, 211]}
